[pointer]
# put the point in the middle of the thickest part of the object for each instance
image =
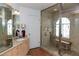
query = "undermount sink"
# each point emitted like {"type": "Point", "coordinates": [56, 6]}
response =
{"type": "Point", "coordinates": [20, 39]}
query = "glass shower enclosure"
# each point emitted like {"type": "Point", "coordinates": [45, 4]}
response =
{"type": "Point", "coordinates": [60, 29]}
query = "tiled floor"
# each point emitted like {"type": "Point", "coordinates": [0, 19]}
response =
{"type": "Point", "coordinates": [38, 52]}
{"type": "Point", "coordinates": [52, 51]}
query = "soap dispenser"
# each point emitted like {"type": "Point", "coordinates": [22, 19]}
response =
{"type": "Point", "coordinates": [23, 31]}
{"type": "Point", "coordinates": [18, 31]}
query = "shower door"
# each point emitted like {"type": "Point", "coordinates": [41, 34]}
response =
{"type": "Point", "coordinates": [48, 30]}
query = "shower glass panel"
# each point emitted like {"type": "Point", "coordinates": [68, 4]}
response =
{"type": "Point", "coordinates": [71, 29]}
{"type": "Point", "coordinates": [48, 23]}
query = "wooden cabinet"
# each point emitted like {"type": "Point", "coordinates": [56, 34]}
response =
{"type": "Point", "coordinates": [25, 47]}
{"type": "Point", "coordinates": [19, 50]}
{"type": "Point", "coordinates": [14, 51]}
{"type": "Point", "coordinates": [9, 53]}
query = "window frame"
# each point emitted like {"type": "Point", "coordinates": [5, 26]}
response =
{"type": "Point", "coordinates": [67, 23]}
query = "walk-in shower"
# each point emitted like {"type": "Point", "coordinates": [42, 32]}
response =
{"type": "Point", "coordinates": [60, 29]}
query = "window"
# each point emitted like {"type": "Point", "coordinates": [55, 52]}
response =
{"type": "Point", "coordinates": [65, 27]}
{"type": "Point", "coordinates": [9, 27]}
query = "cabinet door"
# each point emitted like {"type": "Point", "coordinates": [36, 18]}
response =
{"type": "Point", "coordinates": [25, 47]}
{"type": "Point", "coordinates": [19, 50]}
{"type": "Point", "coordinates": [14, 51]}
{"type": "Point", "coordinates": [22, 49]}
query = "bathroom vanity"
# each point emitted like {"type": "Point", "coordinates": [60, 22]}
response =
{"type": "Point", "coordinates": [9, 45]}
{"type": "Point", "coordinates": [20, 48]}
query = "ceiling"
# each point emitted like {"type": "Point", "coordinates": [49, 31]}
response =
{"type": "Point", "coordinates": [38, 6]}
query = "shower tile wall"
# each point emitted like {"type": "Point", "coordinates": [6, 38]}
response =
{"type": "Point", "coordinates": [46, 28]}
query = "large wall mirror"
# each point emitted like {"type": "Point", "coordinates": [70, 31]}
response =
{"type": "Point", "coordinates": [6, 27]}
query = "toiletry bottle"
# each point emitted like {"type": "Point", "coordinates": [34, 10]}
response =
{"type": "Point", "coordinates": [23, 32]}
{"type": "Point", "coordinates": [18, 32]}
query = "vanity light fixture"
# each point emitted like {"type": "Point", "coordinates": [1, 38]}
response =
{"type": "Point", "coordinates": [16, 12]}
